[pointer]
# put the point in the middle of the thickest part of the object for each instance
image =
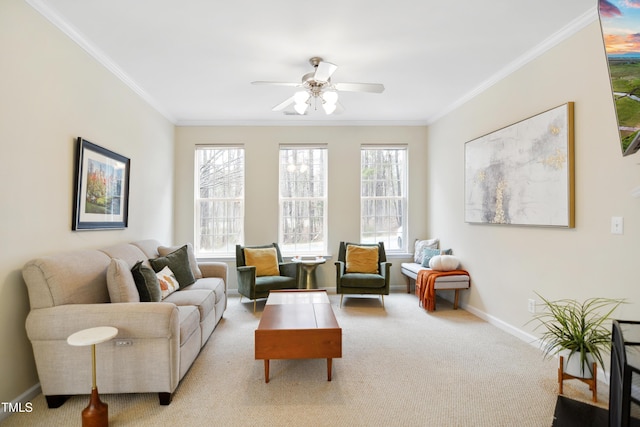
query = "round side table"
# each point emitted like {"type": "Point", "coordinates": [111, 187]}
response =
{"type": "Point", "coordinates": [309, 270]}
{"type": "Point", "coordinates": [97, 413]}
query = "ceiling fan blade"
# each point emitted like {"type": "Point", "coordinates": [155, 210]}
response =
{"type": "Point", "coordinates": [291, 84]}
{"type": "Point", "coordinates": [324, 71]}
{"type": "Point", "coordinates": [284, 104]}
{"type": "Point", "coordinates": [360, 87]}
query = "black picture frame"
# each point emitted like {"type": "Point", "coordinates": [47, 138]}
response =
{"type": "Point", "coordinates": [101, 193]}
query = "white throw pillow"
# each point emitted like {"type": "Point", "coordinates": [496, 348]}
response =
{"type": "Point", "coordinates": [419, 247]}
{"type": "Point", "coordinates": [168, 282]}
{"type": "Point", "coordinates": [444, 263]}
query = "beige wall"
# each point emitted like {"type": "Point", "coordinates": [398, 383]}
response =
{"type": "Point", "coordinates": [509, 263]}
{"type": "Point", "coordinates": [51, 93]}
{"type": "Point", "coordinates": [261, 197]}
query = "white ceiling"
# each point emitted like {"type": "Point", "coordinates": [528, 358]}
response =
{"type": "Point", "coordinates": [193, 60]}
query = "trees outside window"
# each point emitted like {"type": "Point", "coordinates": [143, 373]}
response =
{"type": "Point", "coordinates": [383, 196]}
{"type": "Point", "coordinates": [303, 200]}
{"type": "Point", "coordinates": [219, 200]}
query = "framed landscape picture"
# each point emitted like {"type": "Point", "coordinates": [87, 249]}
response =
{"type": "Point", "coordinates": [620, 23]}
{"type": "Point", "coordinates": [523, 174]}
{"type": "Point", "coordinates": [101, 188]}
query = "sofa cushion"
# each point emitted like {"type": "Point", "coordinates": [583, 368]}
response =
{"type": "Point", "coordinates": [178, 262]}
{"type": "Point", "coordinates": [264, 259]}
{"type": "Point", "coordinates": [120, 283]}
{"type": "Point", "coordinates": [362, 280]}
{"type": "Point", "coordinates": [362, 259]}
{"type": "Point", "coordinates": [126, 252]}
{"type": "Point", "coordinates": [214, 284]}
{"type": "Point", "coordinates": [168, 282]}
{"type": "Point", "coordinates": [203, 299]}
{"type": "Point", "coordinates": [67, 278]}
{"type": "Point", "coordinates": [146, 282]}
{"type": "Point", "coordinates": [269, 283]}
{"type": "Point", "coordinates": [189, 321]}
{"type": "Point", "coordinates": [193, 262]}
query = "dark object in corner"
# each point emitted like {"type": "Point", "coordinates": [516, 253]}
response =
{"type": "Point", "coordinates": [573, 413]}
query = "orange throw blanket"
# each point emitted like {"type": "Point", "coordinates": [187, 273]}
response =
{"type": "Point", "coordinates": [425, 285]}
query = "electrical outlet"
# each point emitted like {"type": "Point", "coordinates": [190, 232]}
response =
{"type": "Point", "coordinates": [123, 343]}
{"type": "Point", "coordinates": [532, 306]}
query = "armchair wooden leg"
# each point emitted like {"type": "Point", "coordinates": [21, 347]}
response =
{"type": "Point", "coordinates": [382, 300]}
{"type": "Point", "coordinates": [254, 305]}
{"type": "Point", "coordinates": [341, 296]}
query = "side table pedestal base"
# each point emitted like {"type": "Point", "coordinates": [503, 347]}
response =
{"type": "Point", "coordinates": [97, 413]}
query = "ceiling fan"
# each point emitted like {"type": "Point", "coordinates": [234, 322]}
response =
{"type": "Point", "coordinates": [317, 88]}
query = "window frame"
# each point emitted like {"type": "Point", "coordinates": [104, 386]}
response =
{"type": "Point", "coordinates": [309, 250]}
{"type": "Point", "coordinates": [239, 219]}
{"type": "Point", "coordinates": [403, 198]}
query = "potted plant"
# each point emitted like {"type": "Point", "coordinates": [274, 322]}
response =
{"type": "Point", "coordinates": [578, 331]}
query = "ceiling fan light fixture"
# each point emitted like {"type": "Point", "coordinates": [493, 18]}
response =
{"type": "Point", "coordinates": [301, 97]}
{"type": "Point", "coordinates": [301, 108]}
{"type": "Point", "coordinates": [330, 97]}
{"type": "Point", "coordinates": [329, 108]}
{"type": "Point", "coordinates": [317, 88]}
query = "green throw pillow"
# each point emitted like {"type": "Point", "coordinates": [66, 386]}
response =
{"type": "Point", "coordinates": [178, 262]}
{"type": "Point", "coordinates": [147, 283]}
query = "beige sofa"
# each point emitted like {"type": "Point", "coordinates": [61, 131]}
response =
{"type": "Point", "coordinates": [157, 341]}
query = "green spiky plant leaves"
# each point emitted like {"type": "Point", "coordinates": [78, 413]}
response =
{"type": "Point", "coordinates": [579, 327]}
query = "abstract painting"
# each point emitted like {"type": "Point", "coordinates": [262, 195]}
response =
{"type": "Point", "coordinates": [523, 174]}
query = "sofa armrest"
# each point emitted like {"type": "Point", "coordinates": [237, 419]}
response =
{"type": "Point", "coordinates": [385, 269]}
{"type": "Point", "coordinates": [214, 269]}
{"type": "Point", "coordinates": [150, 362]}
{"type": "Point", "coordinates": [340, 268]}
{"type": "Point", "coordinates": [247, 280]}
{"type": "Point", "coordinates": [289, 269]}
{"type": "Point", "coordinates": [133, 320]}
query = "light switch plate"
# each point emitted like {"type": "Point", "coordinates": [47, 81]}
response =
{"type": "Point", "coordinates": [617, 225]}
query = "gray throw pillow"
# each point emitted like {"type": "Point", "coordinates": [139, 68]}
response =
{"type": "Point", "coordinates": [178, 262]}
{"type": "Point", "coordinates": [147, 283]}
{"type": "Point", "coordinates": [120, 282]}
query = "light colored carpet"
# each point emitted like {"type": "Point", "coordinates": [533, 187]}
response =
{"type": "Point", "coordinates": [401, 366]}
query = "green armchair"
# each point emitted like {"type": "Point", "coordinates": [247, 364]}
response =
{"type": "Point", "coordinates": [359, 272]}
{"type": "Point", "coordinates": [253, 285]}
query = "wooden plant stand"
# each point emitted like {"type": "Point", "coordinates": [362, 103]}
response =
{"type": "Point", "coordinates": [592, 382]}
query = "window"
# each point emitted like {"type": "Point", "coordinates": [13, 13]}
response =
{"type": "Point", "coordinates": [303, 200]}
{"type": "Point", "coordinates": [383, 196]}
{"type": "Point", "coordinates": [219, 200]}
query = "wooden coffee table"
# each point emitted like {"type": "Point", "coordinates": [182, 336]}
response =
{"type": "Point", "coordinates": [298, 324]}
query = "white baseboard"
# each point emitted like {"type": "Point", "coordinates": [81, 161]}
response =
{"type": "Point", "coordinates": [22, 400]}
{"type": "Point", "coordinates": [524, 336]}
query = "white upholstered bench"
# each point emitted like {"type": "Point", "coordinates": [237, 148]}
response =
{"type": "Point", "coordinates": [454, 282]}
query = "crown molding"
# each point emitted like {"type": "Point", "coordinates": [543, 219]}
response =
{"type": "Point", "coordinates": [567, 31]}
{"type": "Point", "coordinates": [570, 29]}
{"type": "Point", "coordinates": [281, 123]}
{"type": "Point", "coordinates": [54, 17]}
